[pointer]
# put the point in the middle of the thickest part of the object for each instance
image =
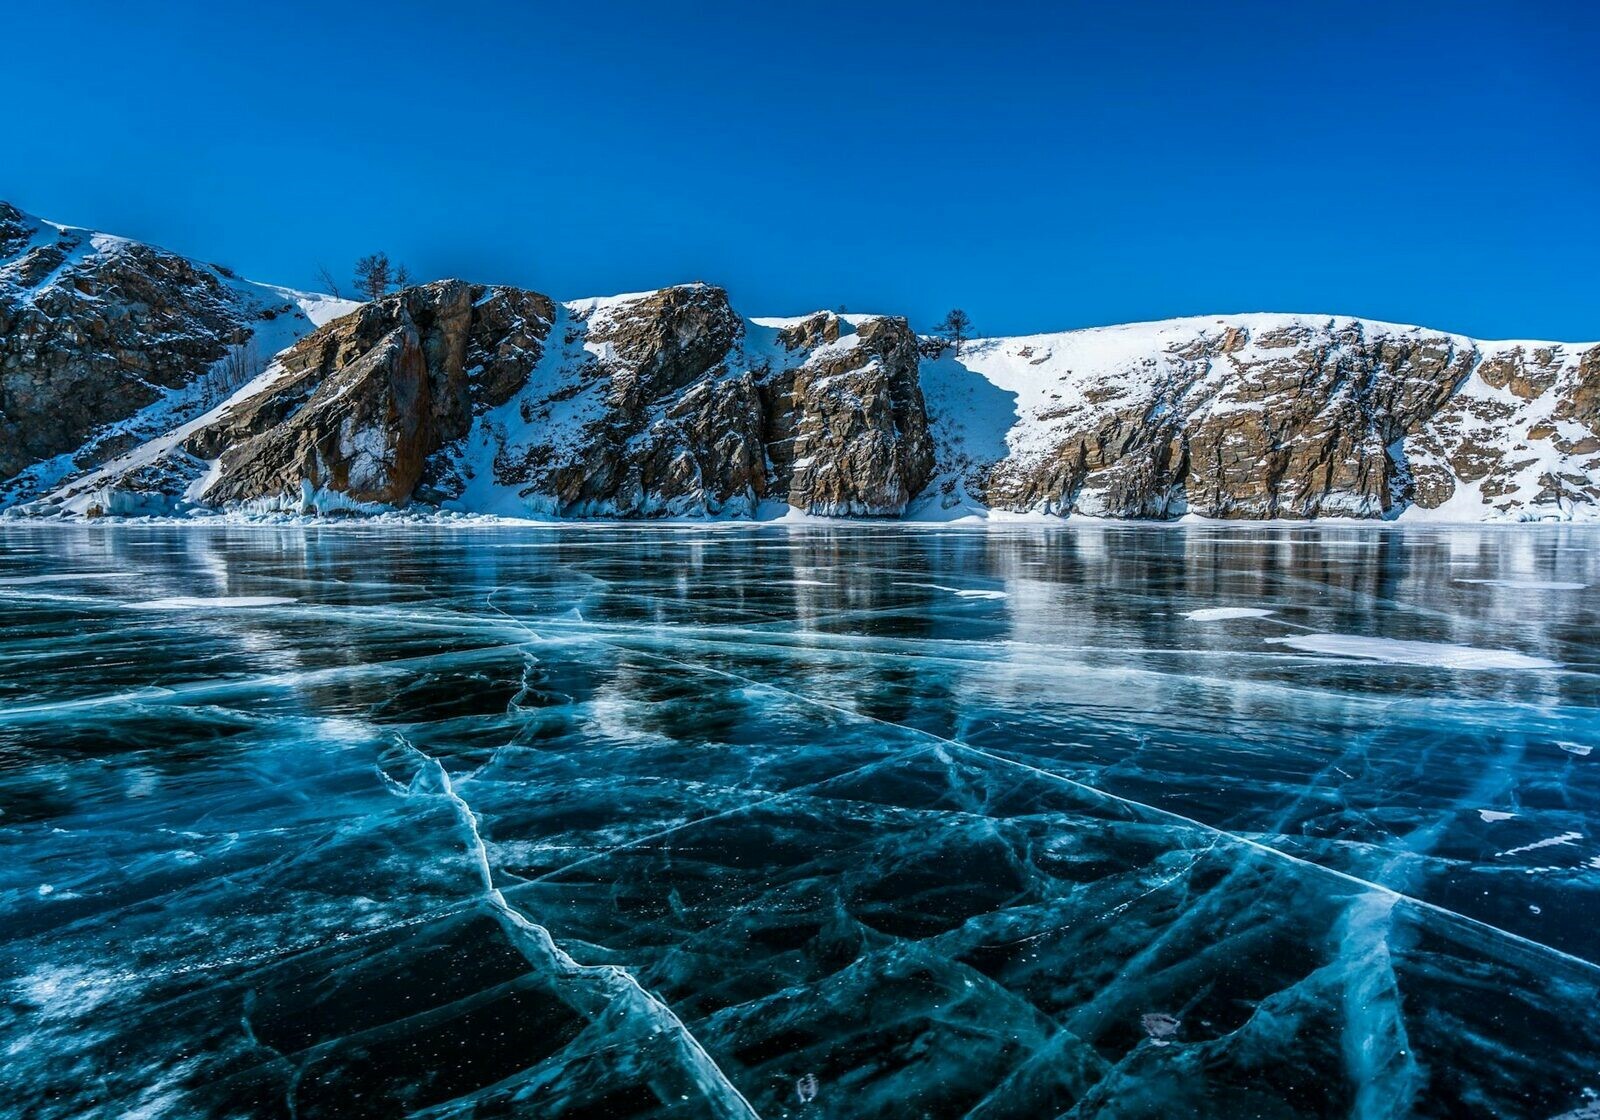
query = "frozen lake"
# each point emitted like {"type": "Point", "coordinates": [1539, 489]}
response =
{"type": "Point", "coordinates": [876, 822]}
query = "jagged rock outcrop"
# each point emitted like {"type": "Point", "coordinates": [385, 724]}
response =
{"type": "Point", "coordinates": [668, 403]}
{"type": "Point", "coordinates": [1522, 436]}
{"type": "Point", "coordinates": [95, 330]}
{"type": "Point", "coordinates": [1281, 416]}
{"type": "Point", "coordinates": [364, 401]}
{"type": "Point", "coordinates": [643, 413]}
{"type": "Point", "coordinates": [665, 403]}
{"type": "Point", "coordinates": [848, 429]}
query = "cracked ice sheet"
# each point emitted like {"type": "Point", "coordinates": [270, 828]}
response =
{"type": "Point", "coordinates": [899, 934]}
{"type": "Point", "coordinates": [713, 759]}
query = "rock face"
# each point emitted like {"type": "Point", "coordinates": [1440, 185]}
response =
{"type": "Point", "coordinates": [363, 402]}
{"type": "Point", "coordinates": [453, 394]}
{"type": "Point", "coordinates": [848, 428]}
{"type": "Point", "coordinates": [669, 403]}
{"type": "Point", "coordinates": [97, 330]}
{"type": "Point", "coordinates": [1269, 416]}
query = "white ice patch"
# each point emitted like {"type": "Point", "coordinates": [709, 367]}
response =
{"type": "Point", "coordinates": [961, 592]}
{"type": "Point", "coordinates": [195, 602]}
{"type": "Point", "coordinates": [1529, 584]}
{"type": "Point", "coordinates": [1400, 652]}
{"type": "Point", "coordinates": [1222, 614]}
{"type": "Point", "coordinates": [1549, 842]}
{"type": "Point", "coordinates": [1492, 815]}
{"type": "Point", "coordinates": [62, 577]}
{"type": "Point", "coordinates": [1582, 750]}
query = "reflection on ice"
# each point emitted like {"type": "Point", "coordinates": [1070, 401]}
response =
{"type": "Point", "coordinates": [848, 822]}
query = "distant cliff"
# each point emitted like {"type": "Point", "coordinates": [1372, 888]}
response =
{"type": "Point", "coordinates": [133, 381]}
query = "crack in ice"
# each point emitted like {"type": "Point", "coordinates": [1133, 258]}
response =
{"type": "Point", "coordinates": [1167, 814]}
{"type": "Point", "coordinates": [540, 949]}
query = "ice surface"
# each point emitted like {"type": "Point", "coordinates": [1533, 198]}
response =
{"type": "Point", "coordinates": [639, 821]}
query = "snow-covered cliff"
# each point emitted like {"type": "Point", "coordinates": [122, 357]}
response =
{"type": "Point", "coordinates": [133, 381]}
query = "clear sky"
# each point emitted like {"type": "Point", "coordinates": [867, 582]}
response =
{"type": "Point", "coordinates": [1042, 165]}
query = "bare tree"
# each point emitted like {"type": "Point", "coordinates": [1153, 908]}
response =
{"type": "Point", "coordinates": [329, 284]}
{"type": "Point", "coordinates": [956, 326]}
{"type": "Point", "coordinates": [402, 278]}
{"type": "Point", "coordinates": [373, 275]}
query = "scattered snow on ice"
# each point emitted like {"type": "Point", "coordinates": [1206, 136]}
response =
{"type": "Point", "coordinates": [962, 592]}
{"type": "Point", "coordinates": [1160, 1027]}
{"type": "Point", "coordinates": [59, 577]}
{"type": "Point", "coordinates": [1550, 842]}
{"type": "Point", "coordinates": [1529, 584]}
{"type": "Point", "coordinates": [1222, 614]}
{"type": "Point", "coordinates": [1492, 815]}
{"type": "Point", "coordinates": [191, 602]}
{"type": "Point", "coordinates": [1393, 650]}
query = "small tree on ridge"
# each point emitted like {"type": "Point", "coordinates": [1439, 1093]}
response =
{"type": "Point", "coordinates": [956, 326]}
{"type": "Point", "coordinates": [373, 275]}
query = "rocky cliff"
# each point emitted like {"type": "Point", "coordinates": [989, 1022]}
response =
{"type": "Point", "coordinates": [105, 343]}
{"type": "Point", "coordinates": [669, 403]}
{"type": "Point", "coordinates": [122, 391]}
{"type": "Point", "coordinates": [1267, 416]}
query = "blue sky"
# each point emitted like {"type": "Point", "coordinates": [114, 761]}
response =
{"type": "Point", "coordinates": [1042, 166]}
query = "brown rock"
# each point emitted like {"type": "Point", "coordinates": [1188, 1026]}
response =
{"type": "Point", "coordinates": [89, 336]}
{"type": "Point", "coordinates": [848, 429]}
{"type": "Point", "coordinates": [367, 399]}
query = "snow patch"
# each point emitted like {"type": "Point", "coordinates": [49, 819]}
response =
{"type": "Point", "coordinates": [199, 602]}
{"type": "Point", "coordinates": [1221, 614]}
{"type": "Point", "coordinates": [1401, 652]}
{"type": "Point", "coordinates": [1528, 584]}
{"type": "Point", "coordinates": [959, 592]}
{"type": "Point", "coordinates": [1565, 839]}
